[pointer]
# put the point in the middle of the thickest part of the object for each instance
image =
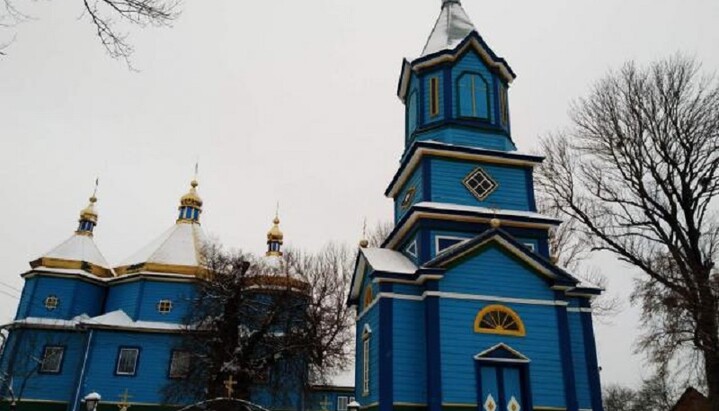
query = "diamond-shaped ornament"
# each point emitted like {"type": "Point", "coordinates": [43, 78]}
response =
{"type": "Point", "coordinates": [513, 405]}
{"type": "Point", "coordinates": [490, 404]}
{"type": "Point", "coordinates": [480, 184]}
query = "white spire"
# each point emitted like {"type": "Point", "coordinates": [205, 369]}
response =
{"type": "Point", "coordinates": [453, 26]}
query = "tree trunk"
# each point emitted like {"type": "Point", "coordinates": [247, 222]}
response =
{"type": "Point", "coordinates": [709, 332]}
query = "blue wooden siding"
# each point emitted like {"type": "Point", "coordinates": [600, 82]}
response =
{"type": "Point", "coordinates": [459, 344]}
{"type": "Point", "coordinates": [75, 297]}
{"type": "Point", "coordinates": [126, 297]}
{"type": "Point", "coordinates": [414, 181]}
{"type": "Point", "coordinates": [581, 378]}
{"type": "Point", "coordinates": [471, 62]}
{"type": "Point", "coordinates": [447, 185]}
{"type": "Point", "coordinates": [30, 345]}
{"type": "Point", "coordinates": [471, 137]}
{"type": "Point", "coordinates": [492, 271]}
{"type": "Point", "coordinates": [181, 295]}
{"type": "Point", "coordinates": [152, 366]}
{"type": "Point", "coordinates": [409, 350]}
{"type": "Point", "coordinates": [412, 108]}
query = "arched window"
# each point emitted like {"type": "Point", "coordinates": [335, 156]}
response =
{"type": "Point", "coordinates": [499, 319]}
{"type": "Point", "coordinates": [473, 95]}
{"type": "Point", "coordinates": [368, 296]}
{"type": "Point", "coordinates": [411, 114]}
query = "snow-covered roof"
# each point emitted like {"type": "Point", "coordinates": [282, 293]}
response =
{"type": "Point", "coordinates": [390, 261]}
{"type": "Point", "coordinates": [50, 322]}
{"type": "Point", "coordinates": [452, 26]}
{"type": "Point", "coordinates": [181, 246]}
{"type": "Point", "coordinates": [79, 248]}
{"type": "Point", "coordinates": [119, 319]}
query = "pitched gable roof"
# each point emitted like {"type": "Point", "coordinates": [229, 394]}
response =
{"type": "Point", "coordinates": [507, 242]}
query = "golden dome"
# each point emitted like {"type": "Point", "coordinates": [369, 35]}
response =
{"type": "Point", "coordinates": [89, 213]}
{"type": "Point", "coordinates": [192, 199]}
{"type": "Point", "coordinates": [275, 234]}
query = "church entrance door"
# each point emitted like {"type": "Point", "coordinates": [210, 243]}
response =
{"type": "Point", "coordinates": [502, 380]}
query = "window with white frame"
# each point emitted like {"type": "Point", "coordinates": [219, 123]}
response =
{"type": "Point", "coordinates": [164, 306]}
{"type": "Point", "coordinates": [366, 334]}
{"type": "Point", "coordinates": [52, 359]}
{"type": "Point", "coordinates": [342, 403]}
{"type": "Point", "coordinates": [51, 302]}
{"type": "Point", "coordinates": [442, 243]}
{"type": "Point", "coordinates": [127, 361]}
{"type": "Point", "coordinates": [480, 184]}
{"type": "Point", "coordinates": [179, 364]}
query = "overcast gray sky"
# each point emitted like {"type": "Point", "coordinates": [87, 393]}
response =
{"type": "Point", "coordinates": [281, 100]}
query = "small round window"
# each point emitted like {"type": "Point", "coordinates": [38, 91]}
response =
{"type": "Point", "coordinates": [51, 302]}
{"type": "Point", "coordinates": [164, 306]}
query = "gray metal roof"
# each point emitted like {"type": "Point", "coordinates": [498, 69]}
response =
{"type": "Point", "coordinates": [453, 26]}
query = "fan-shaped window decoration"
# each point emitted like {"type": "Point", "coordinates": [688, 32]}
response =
{"type": "Point", "coordinates": [498, 319]}
{"type": "Point", "coordinates": [368, 297]}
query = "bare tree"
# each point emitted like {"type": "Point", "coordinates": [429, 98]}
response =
{"type": "Point", "coordinates": [638, 172]}
{"type": "Point", "coordinates": [656, 393]}
{"type": "Point", "coordinates": [280, 323]}
{"type": "Point", "coordinates": [106, 16]}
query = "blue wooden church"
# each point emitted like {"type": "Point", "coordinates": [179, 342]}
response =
{"type": "Point", "coordinates": [84, 326]}
{"type": "Point", "coordinates": [462, 308]}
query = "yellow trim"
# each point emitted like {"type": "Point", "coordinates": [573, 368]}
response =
{"type": "Point", "coordinates": [499, 329]}
{"type": "Point", "coordinates": [368, 297]}
{"type": "Point", "coordinates": [162, 268]}
{"type": "Point", "coordinates": [434, 96]}
{"type": "Point", "coordinates": [72, 265]}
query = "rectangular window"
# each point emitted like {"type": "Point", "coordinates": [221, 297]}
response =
{"type": "Point", "coordinates": [127, 361]}
{"type": "Point", "coordinates": [503, 106]}
{"type": "Point", "coordinates": [365, 366]}
{"type": "Point", "coordinates": [179, 364]}
{"type": "Point", "coordinates": [434, 96]}
{"type": "Point", "coordinates": [342, 403]}
{"type": "Point", "coordinates": [52, 359]}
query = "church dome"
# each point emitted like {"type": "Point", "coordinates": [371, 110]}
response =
{"type": "Point", "coordinates": [179, 249]}
{"type": "Point", "coordinates": [275, 238]}
{"type": "Point", "coordinates": [79, 253]}
{"type": "Point", "coordinates": [191, 199]}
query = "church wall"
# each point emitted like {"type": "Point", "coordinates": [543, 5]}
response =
{"type": "Point", "coordinates": [465, 136]}
{"type": "Point", "coordinates": [459, 344]}
{"type": "Point", "coordinates": [28, 345]}
{"type": "Point", "coordinates": [447, 187]}
{"type": "Point", "coordinates": [493, 272]}
{"type": "Point", "coordinates": [409, 350]}
{"type": "Point", "coordinates": [75, 297]}
{"type": "Point", "coordinates": [180, 294]}
{"type": "Point", "coordinates": [326, 398]}
{"type": "Point", "coordinates": [124, 296]}
{"type": "Point", "coordinates": [152, 367]}
{"type": "Point", "coordinates": [581, 376]}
